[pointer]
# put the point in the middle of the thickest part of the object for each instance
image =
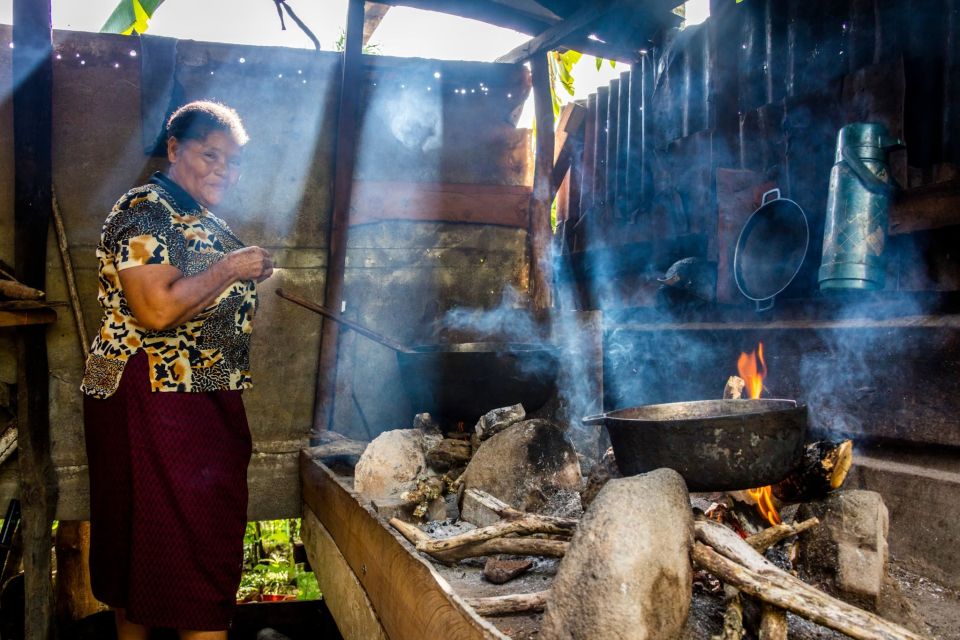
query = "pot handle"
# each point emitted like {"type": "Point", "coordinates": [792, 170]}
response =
{"type": "Point", "coordinates": [764, 305]}
{"type": "Point", "coordinates": [763, 200]}
{"type": "Point", "coordinates": [595, 419]}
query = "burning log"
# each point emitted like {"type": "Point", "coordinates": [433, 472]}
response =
{"type": "Point", "coordinates": [772, 535]}
{"type": "Point", "coordinates": [737, 563]}
{"type": "Point", "coordinates": [824, 468]}
{"type": "Point", "coordinates": [505, 605]}
{"type": "Point", "coordinates": [733, 390]}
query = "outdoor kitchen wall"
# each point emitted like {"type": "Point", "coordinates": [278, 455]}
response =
{"type": "Point", "coordinates": [752, 100]}
{"type": "Point", "coordinates": [110, 96]}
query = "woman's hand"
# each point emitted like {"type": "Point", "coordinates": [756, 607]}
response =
{"type": "Point", "coordinates": [250, 263]}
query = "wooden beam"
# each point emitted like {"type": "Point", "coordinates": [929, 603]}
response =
{"type": "Point", "coordinates": [373, 15]}
{"type": "Point", "coordinates": [569, 129]}
{"type": "Point", "coordinates": [505, 205]}
{"type": "Point", "coordinates": [543, 191]}
{"type": "Point", "coordinates": [555, 35]}
{"type": "Point", "coordinates": [33, 202]}
{"type": "Point", "coordinates": [484, 10]}
{"type": "Point", "coordinates": [350, 90]}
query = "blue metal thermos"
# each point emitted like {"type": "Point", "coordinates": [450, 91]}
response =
{"type": "Point", "coordinates": [857, 209]}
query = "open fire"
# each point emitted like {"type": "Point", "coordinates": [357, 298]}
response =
{"type": "Point", "coordinates": [753, 369]}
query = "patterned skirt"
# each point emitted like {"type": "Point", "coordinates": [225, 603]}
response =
{"type": "Point", "coordinates": [168, 501]}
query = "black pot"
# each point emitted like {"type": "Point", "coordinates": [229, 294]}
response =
{"type": "Point", "coordinates": [716, 445]}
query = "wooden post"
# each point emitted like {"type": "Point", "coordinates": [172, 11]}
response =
{"type": "Point", "coordinates": [350, 89]}
{"type": "Point", "coordinates": [75, 598]}
{"type": "Point", "coordinates": [542, 196]}
{"type": "Point", "coordinates": [32, 121]}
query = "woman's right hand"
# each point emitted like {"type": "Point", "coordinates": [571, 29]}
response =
{"type": "Point", "coordinates": [250, 263]}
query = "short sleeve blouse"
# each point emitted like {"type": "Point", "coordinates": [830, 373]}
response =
{"type": "Point", "coordinates": [160, 223]}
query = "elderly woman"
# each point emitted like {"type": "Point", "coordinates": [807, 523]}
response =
{"type": "Point", "coordinates": [166, 433]}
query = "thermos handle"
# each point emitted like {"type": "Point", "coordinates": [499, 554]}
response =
{"type": "Point", "coordinates": [870, 182]}
{"type": "Point", "coordinates": [763, 200]}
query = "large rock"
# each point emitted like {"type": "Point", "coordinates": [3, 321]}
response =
{"type": "Point", "coordinates": [531, 466]}
{"type": "Point", "coordinates": [848, 550]}
{"type": "Point", "coordinates": [627, 573]}
{"type": "Point", "coordinates": [391, 464]}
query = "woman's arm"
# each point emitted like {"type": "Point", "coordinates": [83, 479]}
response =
{"type": "Point", "coordinates": [161, 297]}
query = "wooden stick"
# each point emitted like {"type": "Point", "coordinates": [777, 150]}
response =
{"type": "Point", "coordinates": [513, 603]}
{"type": "Point", "coordinates": [507, 512]}
{"type": "Point", "coordinates": [791, 594]}
{"type": "Point", "coordinates": [772, 535]}
{"type": "Point", "coordinates": [511, 546]}
{"type": "Point", "coordinates": [525, 525]}
{"type": "Point", "coordinates": [773, 623]}
{"type": "Point", "coordinates": [732, 619]}
{"type": "Point", "coordinates": [69, 276]}
{"type": "Point", "coordinates": [18, 291]}
{"type": "Point", "coordinates": [8, 441]}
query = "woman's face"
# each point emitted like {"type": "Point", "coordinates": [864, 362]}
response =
{"type": "Point", "coordinates": [205, 168]}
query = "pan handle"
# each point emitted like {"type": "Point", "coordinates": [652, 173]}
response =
{"type": "Point", "coordinates": [764, 200]}
{"type": "Point", "coordinates": [596, 419]}
{"type": "Point", "coordinates": [764, 305]}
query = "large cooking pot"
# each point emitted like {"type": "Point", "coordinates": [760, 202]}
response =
{"type": "Point", "coordinates": [716, 445]}
{"type": "Point", "coordinates": [459, 382]}
{"type": "Point", "coordinates": [771, 249]}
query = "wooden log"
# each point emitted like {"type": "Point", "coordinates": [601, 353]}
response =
{"type": "Point", "coordinates": [511, 546]}
{"type": "Point", "coordinates": [449, 454]}
{"type": "Point", "coordinates": [554, 36]}
{"type": "Point", "coordinates": [506, 605]}
{"type": "Point", "coordinates": [732, 619]}
{"type": "Point", "coordinates": [351, 88]}
{"type": "Point", "coordinates": [540, 200]}
{"type": "Point", "coordinates": [18, 291]}
{"type": "Point", "coordinates": [507, 512]}
{"type": "Point", "coordinates": [772, 535]}
{"type": "Point", "coordinates": [791, 594]}
{"type": "Point", "coordinates": [8, 441]}
{"type": "Point", "coordinates": [824, 468]}
{"type": "Point", "coordinates": [773, 623]}
{"type": "Point", "coordinates": [521, 526]}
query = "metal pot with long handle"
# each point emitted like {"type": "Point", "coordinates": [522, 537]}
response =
{"type": "Point", "coordinates": [716, 445]}
{"type": "Point", "coordinates": [459, 382]}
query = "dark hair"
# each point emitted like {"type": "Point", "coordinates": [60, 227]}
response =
{"type": "Point", "coordinates": [196, 120]}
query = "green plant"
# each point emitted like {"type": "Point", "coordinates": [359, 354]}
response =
{"type": "Point", "coordinates": [269, 566]}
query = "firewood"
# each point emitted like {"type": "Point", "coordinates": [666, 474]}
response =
{"type": "Point", "coordinates": [733, 390]}
{"type": "Point", "coordinates": [522, 526]}
{"type": "Point", "coordinates": [785, 591]}
{"type": "Point", "coordinates": [449, 454]}
{"type": "Point", "coordinates": [505, 605]}
{"type": "Point", "coordinates": [17, 291]}
{"type": "Point", "coordinates": [772, 535]}
{"type": "Point", "coordinates": [500, 570]}
{"type": "Point", "coordinates": [773, 623]}
{"type": "Point", "coordinates": [511, 546]}
{"type": "Point", "coordinates": [505, 511]}
{"type": "Point", "coordinates": [8, 441]}
{"type": "Point", "coordinates": [824, 468]}
{"type": "Point", "coordinates": [732, 619]}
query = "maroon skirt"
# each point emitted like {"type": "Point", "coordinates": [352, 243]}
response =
{"type": "Point", "coordinates": [168, 501]}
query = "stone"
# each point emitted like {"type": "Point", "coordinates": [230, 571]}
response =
{"type": "Point", "coordinates": [500, 570]}
{"type": "Point", "coordinates": [847, 552]}
{"type": "Point", "coordinates": [493, 422]}
{"type": "Point", "coordinates": [391, 464]}
{"type": "Point", "coordinates": [425, 422]}
{"type": "Point", "coordinates": [531, 466]}
{"type": "Point", "coordinates": [271, 634]}
{"type": "Point", "coordinates": [627, 573]}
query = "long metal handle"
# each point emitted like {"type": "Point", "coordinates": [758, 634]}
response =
{"type": "Point", "coordinates": [373, 335]}
{"type": "Point", "coordinates": [597, 419]}
{"type": "Point", "coordinates": [763, 200]}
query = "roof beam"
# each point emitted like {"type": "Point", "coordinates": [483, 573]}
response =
{"type": "Point", "coordinates": [553, 37]}
{"type": "Point", "coordinates": [373, 14]}
{"type": "Point", "coordinates": [489, 11]}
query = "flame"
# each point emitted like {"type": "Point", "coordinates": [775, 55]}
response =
{"type": "Point", "coordinates": [753, 376]}
{"type": "Point", "coordinates": [764, 498]}
{"type": "Point", "coordinates": [751, 373]}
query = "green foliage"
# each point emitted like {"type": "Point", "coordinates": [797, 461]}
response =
{"type": "Point", "coordinates": [130, 16]}
{"type": "Point", "coordinates": [268, 563]}
{"type": "Point", "coordinates": [341, 44]}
